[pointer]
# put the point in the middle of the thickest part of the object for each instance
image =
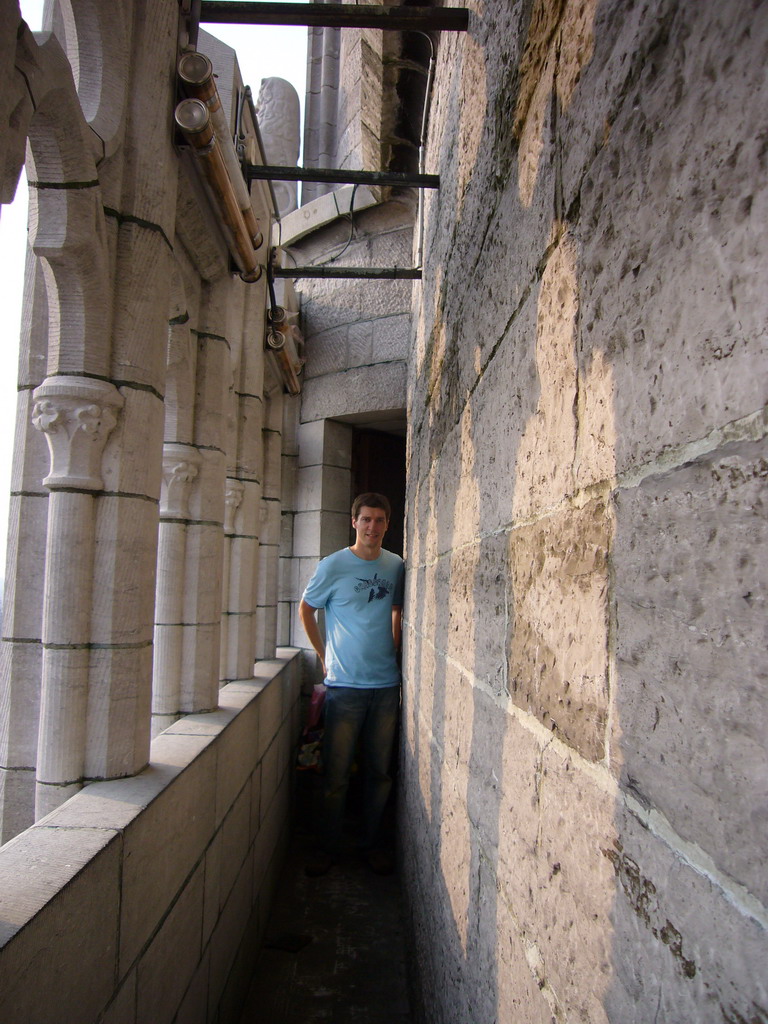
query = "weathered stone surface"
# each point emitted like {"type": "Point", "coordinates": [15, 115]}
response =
{"type": "Point", "coordinates": [201, 645]}
{"type": "Point", "coordinates": [228, 933]}
{"type": "Point", "coordinates": [311, 440]}
{"type": "Point", "coordinates": [178, 941]}
{"type": "Point", "coordinates": [327, 352]}
{"type": "Point", "coordinates": [681, 947]}
{"type": "Point", "coordinates": [125, 465]}
{"type": "Point", "coordinates": [306, 535]}
{"type": "Point", "coordinates": [589, 306]}
{"type": "Point", "coordinates": [17, 792]}
{"type": "Point", "coordinates": [573, 895]}
{"type": "Point", "coordinates": [270, 716]}
{"type": "Point", "coordinates": [173, 818]}
{"type": "Point", "coordinates": [202, 599]}
{"type": "Point", "coordinates": [235, 838]}
{"type": "Point", "coordinates": [558, 657]}
{"type": "Point", "coordinates": [25, 573]}
{"type": "Point", "coordinates": [363, 389]}
{"type": "Point", "coordinates": [250, 440]}
{"type": "Point", "coordinates": [475, 575]}
{"type": "Point", "coordinates": [122, 1009]}
{"type": "Point", "coordinates": [151, 160]}
{"type": "Point", "coordinates": [143, 283]}
{"type": "Point", "coordinates": [43, 869]}
{"type": "Point", "coordinates": [194, 1001]}
{"type": "Point", "coordinates": [687, 199]}
{"type": "Point", "coordinates": [690, 712]}
{"type": "Point", "coordinates": [118, 710]}
{"type": "Point", "coordinates": [125, 572]}
{"type": "Point", "coordinates": [30, 462]}
{"type": "Point", "coordinates": [269, 778]}
{"type": "Point", "coordinates": [20, 671]}
{"type": "Point", "coordinates": [242, 753]}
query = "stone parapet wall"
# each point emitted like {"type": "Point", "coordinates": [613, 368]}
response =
{"type": "Point", "coordinates": [145, 899]}
{"type": "Point", "coordinates": [585, 804]}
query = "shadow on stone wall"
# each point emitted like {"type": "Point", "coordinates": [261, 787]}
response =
{"type": "Point", "coordinates": [582, 695]}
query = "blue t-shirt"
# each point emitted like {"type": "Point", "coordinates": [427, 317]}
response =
{"type": "Point", "coordinates": [358, 596]}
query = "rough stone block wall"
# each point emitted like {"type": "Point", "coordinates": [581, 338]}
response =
{"type": "Point", "coordinates": [145, 899]}
{"type": "Point", "coordinates": [585, 806]}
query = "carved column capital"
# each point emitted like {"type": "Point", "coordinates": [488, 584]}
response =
{"type": "Point", "coordinates": [233, 496]}
{"type": "Point", "coordinates": [180, 468]}
{"type": "Point", "coordinates": [76, 414]}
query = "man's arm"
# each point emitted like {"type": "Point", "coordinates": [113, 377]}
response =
{"type": "Point", "coordinates": [308, 616]}
{"type": "Point", "coordinates": [397, 625]}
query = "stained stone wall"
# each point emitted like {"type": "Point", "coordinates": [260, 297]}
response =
{"type": "Point", "coordinates": [585, 809]}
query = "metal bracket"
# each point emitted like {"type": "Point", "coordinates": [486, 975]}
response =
{"type": "Point", "coordinates": [398, 19]}
{"type": "Point", "coordinates": [361, 273]}
{"type": "Point", "coordinates": [335, 177]}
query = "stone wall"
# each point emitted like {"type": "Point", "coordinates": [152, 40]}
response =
{"type": "Point", "coordinates": [145, 899]}
{"type": "Point", "coordinates": [585, 811]}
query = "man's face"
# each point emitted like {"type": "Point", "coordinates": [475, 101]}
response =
{"type": "Point", "coordinates": [370, 525]}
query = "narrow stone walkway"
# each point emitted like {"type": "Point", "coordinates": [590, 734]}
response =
{"type": "Point", "coordinates": [334, 949]}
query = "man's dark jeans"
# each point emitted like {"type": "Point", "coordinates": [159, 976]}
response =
{"type": "Point", "coordinates": [370, 715]}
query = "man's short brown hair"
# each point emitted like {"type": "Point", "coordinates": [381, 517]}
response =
{"type": "Point", "coordinates": [371, 500]}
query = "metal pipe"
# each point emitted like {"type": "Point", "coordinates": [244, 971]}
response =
{"type": "Point", "coordinates": [194, 22]}
{"type": "Point", "coordinates": [422, 152]}
{"type": "Point", "coordinates": [398, 19]}
{"type": "Point", "coordinates": [281, 343]}
{"type": "Point", "coordinates": [196, 72]}
{"type": "Point", "coordinates": [334, 176]}
{"type": "Point", "coordinates": [192, 117]}
{"type": "Point", "coordinates": [364, 273]}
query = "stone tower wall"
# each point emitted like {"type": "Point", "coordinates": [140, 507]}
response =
{"type": "Point", "coordinates": [585, 811]}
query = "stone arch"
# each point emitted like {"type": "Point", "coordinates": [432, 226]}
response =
{"type": "Point", "coordinates": [67, 228]}
{"type": "Point", "coordinates": [96, 38]}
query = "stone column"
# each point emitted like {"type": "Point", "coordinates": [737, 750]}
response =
{"type": "Point", "coordinates": [180, 468]}
{"type": "Point", "coordinates": [233, 496]}
{"type": "Point", "coordinates": [76, 414]}
{"type": "Point", "coordinates": [138, 196]}
{"type": "Point", "coordinates": [204, 555]}
{"type": "Point", "coordinates": [321, 110]}
{"type": "Point", "coordinates": [244, 479]}
{"type": "Point", "coordinates": [287, 573]}
{"type": "Point", "coordinates": [269, 548]}
{"type": "Point", "coordinates": [21, 647]}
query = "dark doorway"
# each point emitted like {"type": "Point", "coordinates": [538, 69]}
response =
{"type": "Point", "coordinates": [378, 464]}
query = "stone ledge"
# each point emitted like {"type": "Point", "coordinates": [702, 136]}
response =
{"type": "Point", "coordinates": [321, 211]}
{"type": "Point", "coordinates": [88, 891]}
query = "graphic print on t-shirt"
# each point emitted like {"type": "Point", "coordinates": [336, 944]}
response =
{"type": "Point", "coordinates": [378, 587]}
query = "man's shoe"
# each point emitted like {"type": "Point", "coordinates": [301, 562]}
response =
{"type": "Point", "coordinates": [320, 865]}
{"type": "Point", "coordinates": [381, 862]}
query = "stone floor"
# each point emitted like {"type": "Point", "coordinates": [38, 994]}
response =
{"type": "Point", "coordinates": [335, 949]}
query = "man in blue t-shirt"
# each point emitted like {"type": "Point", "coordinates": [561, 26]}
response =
{"type": "Point", "coordinates": [361, 590]}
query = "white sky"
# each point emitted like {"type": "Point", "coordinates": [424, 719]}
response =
{"type": "Point", "coordinates": [263, 52]}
